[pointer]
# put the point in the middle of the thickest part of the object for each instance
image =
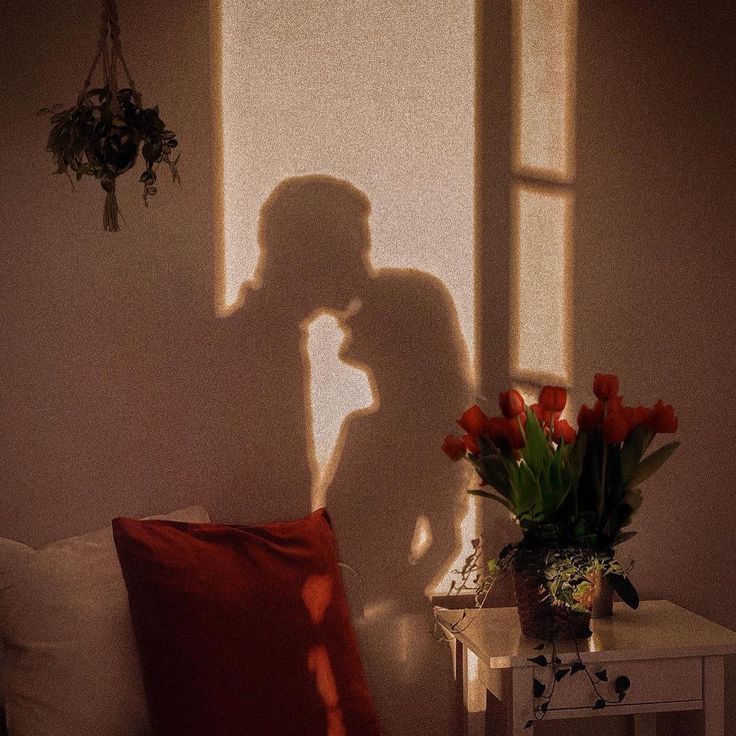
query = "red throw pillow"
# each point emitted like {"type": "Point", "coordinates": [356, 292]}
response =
{"type": "Point", "coordinates": [244, 631]}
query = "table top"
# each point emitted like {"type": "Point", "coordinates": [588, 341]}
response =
{"type": "Point", "coordinates": [656, 630]}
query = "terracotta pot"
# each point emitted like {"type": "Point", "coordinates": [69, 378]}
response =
{"type": "Point", "coordinates": [538, 616]}
{"type": "Point", "coordinates": [602, 596]}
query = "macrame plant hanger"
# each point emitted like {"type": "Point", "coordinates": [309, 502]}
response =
{"type": "Point", "coordinates": [108, 130]}
{"type": "Point", "coordinates": [109, 51]}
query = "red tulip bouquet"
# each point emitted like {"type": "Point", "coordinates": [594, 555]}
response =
{"type": "Point", "coordinates": [572, 491]}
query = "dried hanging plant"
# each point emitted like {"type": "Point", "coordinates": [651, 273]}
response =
{"type": "Point", "coordinates": [102, 134]}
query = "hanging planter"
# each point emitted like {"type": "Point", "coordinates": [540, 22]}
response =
{"type": "Point", "coordinates": [103, 134]}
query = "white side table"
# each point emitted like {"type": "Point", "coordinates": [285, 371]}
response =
{"type": "Point", "coordinates": [673, 658]}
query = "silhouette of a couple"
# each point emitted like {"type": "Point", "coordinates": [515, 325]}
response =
{"type": "Point", "coordinates": [388, 480]}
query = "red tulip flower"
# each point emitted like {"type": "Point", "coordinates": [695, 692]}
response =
{"type": "Point", "coordinates": [545, 418]}
{"type": "Point", "coordinates": [514, 435]}
{"type": "Point", "coordinates": [454, 447]}
{"type": "Point", "coordinates": [563, 432]}
{"type": "Point", "coordinates": [635, 416]}
{"type": "Point", "coordinates": [615, 428]}
{"type": "Point", "coordinates": [589, 419]}
{"type": "Point", "coordinates": [553, 398]}
{"type": "Point", "coordinates": [511, 403]}
{"type": "Point", "coordinates": [471, 444]}
{"type": "Point", "coordinates": [605, 386]}
{"type": "Point", "coordinates": [474, 421]}
{"type": "Point", "coordinates": [662, 418]}
{"type": "Point", "coordinates": [538, 412]}
{"type": "Point", "coordinates": [497, 430]}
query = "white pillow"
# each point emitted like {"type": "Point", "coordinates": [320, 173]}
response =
{"type": "Point", "coordinates": [70, 665]}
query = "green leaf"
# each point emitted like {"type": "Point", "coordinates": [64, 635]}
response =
{"type": "Point", "coordinates": [577, 667]}
{"type": "Point", "coordinates": [621, 684]}
{"type": "Point", "coordinates": [621, 515]}
{"type": "Point", "coordinates": [590, 499]}
{"type": "Point", "coordinates": [599, 704]}
{"type": "Point", "coordinates": [495, 471]}
{"type": "Point", "coordinates": [537, 448]}
{"type": "Point", "coordinates": [561, 673]}
{"type": "Point", "coordinates": [653, 462]}
{"type": "Point", "coordinates": [633, 449]}
{"type": "Point", "coordinates": [541, 660]}
{"type": "Point", "coordinates": [633, 498]}
{"type": "Point", "coordinates": [602, 675]}
{"type": "Point", "coordinates": [625, 589]}
{"type": "Point", "coordinates": [506, 551]}
{"type": "Point", "coordinates": [538, 688]}
{"type": "Point", "coordinates": [494, 497]}
{"type": "Point", "coordinates": [530, 492]}
{"type": "Point", "coordinates": [621, 537]}
{"type": "Point", "coordinates": [555, 485]}
{"type": "Point", "coordinates": [577, 452]}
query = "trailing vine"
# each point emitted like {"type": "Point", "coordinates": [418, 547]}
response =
{"type": "Point", "coordinates": [543, 693]}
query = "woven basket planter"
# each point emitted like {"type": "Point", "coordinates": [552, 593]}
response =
{"type": "Point", "coordinates": [538, 616]}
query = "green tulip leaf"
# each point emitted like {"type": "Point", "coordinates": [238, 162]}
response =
{"type": "Point", "coordinates": [624, 588]}
{"type": "Point", "coordinates": [622, 537]}
{"type": "Point", "coordinates": [633, 448]}
{"type": "Point", "coordinates": [537, 448]}
{"type": "Point", "coordinates": [538, 688]}
{"type": "Point", "coordinates": [494, 471]}
{"type": "Point", "coordinates": [577, 453]}
{"type": "Point", "coordinates": [494, 497]}
{"type": "Point", "coordinates": [530, 492]}
{"type": "Point", "coordinates": [653, 462]}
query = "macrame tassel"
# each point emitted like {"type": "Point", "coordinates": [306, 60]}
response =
{"type": "Point", "coordinates": [110, 220]}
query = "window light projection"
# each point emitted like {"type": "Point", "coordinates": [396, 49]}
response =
{"type": "Point", "coordinates": [545, 89]}
{"type": "Point", "coordinates": [421, 540]}
{"type": "Point", "coordinates": [378, 94]}
{"type": "Point", "coordinates": [542, 194]}
{"type": "Point", "coordinates": [539, 301]}
{"type": "Point", "coordinates": [345, 389]}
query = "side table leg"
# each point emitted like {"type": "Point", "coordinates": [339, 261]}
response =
{"type": "Point", "coordinates": [473, 692]}
{"type": "Point", "coordinates": [520, 704]}
{"type": "Point", "coordinates": [645, 724]}
{"type": "Point", "coordinates": [713, 695]}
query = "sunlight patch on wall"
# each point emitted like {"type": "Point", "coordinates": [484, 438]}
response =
{"type": "Point", "coordinates": [542, 190]}
{"type": "Point", "coordinates": [539, 334]}
{"type": "Point", "coordinates": [379, 94]}
{"type": "Point", "coordinates": [340, 390]}
{"type": "Point", "coordinates": [545, 90]}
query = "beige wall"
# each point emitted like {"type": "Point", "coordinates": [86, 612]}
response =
{"type": "Point", "coordinates": [654, 268]}
{"type": "Point", "coordinates": [102, 386]}
{"type": "Point", "coordinates": [655, 271]}
{"type": "Point", "coordinates": [91, 320]}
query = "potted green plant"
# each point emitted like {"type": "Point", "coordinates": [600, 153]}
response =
{"type": "Point", "coordinates": [102, 135]}
{"type": "Point", "coordinates": [572, 492]}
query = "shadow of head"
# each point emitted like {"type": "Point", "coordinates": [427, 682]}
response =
{"type": "Point", "coordinates": [406, 329]}
{"type": "Point", "coordinates": [314, 240]}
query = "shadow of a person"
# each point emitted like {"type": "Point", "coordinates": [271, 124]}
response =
{"type": "Point", "coordinates": [313, 237]}
{"type": "Point", "coordinates": [390, 475]}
